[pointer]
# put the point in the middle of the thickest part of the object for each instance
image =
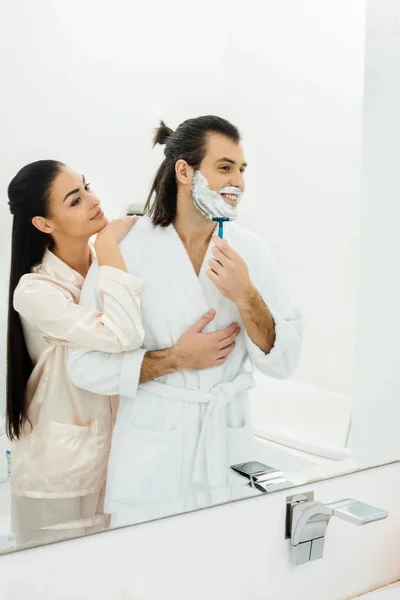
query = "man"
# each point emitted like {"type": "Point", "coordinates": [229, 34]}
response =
{"type": "Point", "coordinates": [183, 417]}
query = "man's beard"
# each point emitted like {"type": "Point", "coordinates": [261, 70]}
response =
{"type": "Point", "coordinates": [210, 203]}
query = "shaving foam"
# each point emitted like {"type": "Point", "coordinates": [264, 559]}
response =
{"type": "Point", "coordinates": [210, 203]}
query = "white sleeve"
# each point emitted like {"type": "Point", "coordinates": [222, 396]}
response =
{"type": "Point", "coordinates": [99, 371]}
{"type": "Point", "coordinates": [106, 373]}
{"type": "Point", "coordinates": [283, 358]}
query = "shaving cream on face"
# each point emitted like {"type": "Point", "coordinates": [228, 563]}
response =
{"type": "Point", "coordinates": [210, 203]}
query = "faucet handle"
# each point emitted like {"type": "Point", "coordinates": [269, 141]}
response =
{"type": "Point", "coordinates": [262, 477]}
{"type": "Point", "coordinates": [308, 522]}
{"type": "Point", "coordinates": [357, 512]}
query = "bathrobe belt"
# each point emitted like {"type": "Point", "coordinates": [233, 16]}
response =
{"type": "Point", "coordinates": [211, 461]}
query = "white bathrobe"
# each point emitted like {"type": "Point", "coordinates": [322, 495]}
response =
{"type": "Point", "coordinates": [175, 437]}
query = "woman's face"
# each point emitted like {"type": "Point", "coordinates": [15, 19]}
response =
{"type": "Point", "coordinates": [74, 209]}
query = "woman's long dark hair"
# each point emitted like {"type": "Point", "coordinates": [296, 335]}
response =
{"type": "Point", "coordinates": [28, 195]}
{"type": "Point", "coordinates": [189, 143]}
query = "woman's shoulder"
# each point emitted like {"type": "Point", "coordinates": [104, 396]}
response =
{"type": "Point", "coordinates": [36, 289]}
{"type": "Point", "coordinates": [52, 274]}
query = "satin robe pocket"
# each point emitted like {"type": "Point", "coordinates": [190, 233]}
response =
{"type": "Point", "coordinates": [74, 451]}
{"type": "Point", "coordinates": [149, 465]}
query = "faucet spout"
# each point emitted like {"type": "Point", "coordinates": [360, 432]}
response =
{"type": "Point", "coordinates": [310, 521]}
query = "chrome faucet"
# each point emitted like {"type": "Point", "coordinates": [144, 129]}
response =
{"type": "Point", "coordinates": [262, 477]}
{"type": "Point", "coordinates": [309, 522]}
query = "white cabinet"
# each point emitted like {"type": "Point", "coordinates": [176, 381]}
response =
{"type": "Point", "coordinates": [229, 552]}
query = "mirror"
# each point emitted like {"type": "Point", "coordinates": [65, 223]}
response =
{"type": "Point", "coordinates": [296, 398]}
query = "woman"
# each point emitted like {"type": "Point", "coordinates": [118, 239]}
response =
{"type": "Point", "coordinates": [61, 434]}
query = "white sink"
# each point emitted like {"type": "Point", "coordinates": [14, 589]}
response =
{"type": "Point", "coordinates": [301, 416]}
{"type": "Point", "coordinates": [301, 429]}
{"type": "Point", "coordinates": [300, 467]}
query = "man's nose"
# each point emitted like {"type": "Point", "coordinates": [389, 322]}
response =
{"type": "Point", "coordinates": [237, 180]}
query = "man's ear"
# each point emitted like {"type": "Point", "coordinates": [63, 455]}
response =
{"type": "Point", "coordinates": [183, 172]}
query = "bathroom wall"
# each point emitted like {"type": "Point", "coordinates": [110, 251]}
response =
{"type": "Point", "coordinates": [87, 82]}
{"type": "Point", "coordinates": [376, 410]}
{"type": "Point", "coordinates": [301, 64]}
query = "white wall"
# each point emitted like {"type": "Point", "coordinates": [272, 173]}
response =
{"type": "Point", "coordinates": [87, 83]}
{"type": "Point", "coordinates": [301, 63]}
{"type": "Point", "coordinates": [376, 412]}
{"type": "Point", "coordinates": [229, 552]}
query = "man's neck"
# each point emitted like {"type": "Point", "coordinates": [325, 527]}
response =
{"type": "Point", "coordinates": [192, 235]}
{"type": "Point", "coordinates": [192, 227]}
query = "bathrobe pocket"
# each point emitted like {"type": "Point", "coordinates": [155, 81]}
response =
{"type": "Point", "coordinates": [75, 453]}
{"type": "Point", "coordinates": [239, 439]}
{"type": "Point", "coordinates": [149, 465]}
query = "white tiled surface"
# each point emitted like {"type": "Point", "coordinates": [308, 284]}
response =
{"type": "Point", "coordinates": [391, 592]}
